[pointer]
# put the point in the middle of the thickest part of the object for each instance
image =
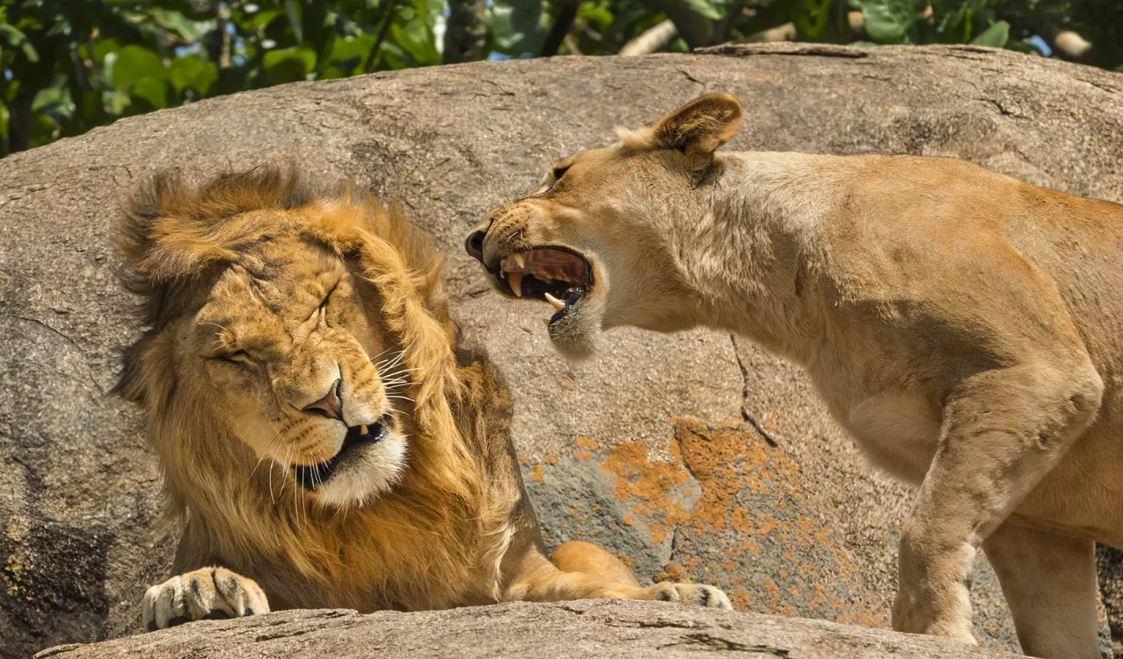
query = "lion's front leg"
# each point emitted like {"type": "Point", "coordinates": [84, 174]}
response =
{"type": "Point", "coordinates": [582, 570]}
{"type": "Point", "coordinates": [1003, 430]}
{"type": "Point", "coordinates": [206, 593]}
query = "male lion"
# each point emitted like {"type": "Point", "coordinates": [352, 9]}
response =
{"type": "Point", "coordinates": [327, 440]}
{"type": "Point", "coordinates": [965, 327]}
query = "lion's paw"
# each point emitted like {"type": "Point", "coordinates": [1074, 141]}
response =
{"type": "Point", "coordinates": [693, 594]}
{"type": "Point", "coordinates": [206, 594]}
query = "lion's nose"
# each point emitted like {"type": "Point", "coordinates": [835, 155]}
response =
{"type": "Point", "coordinates": [475, 244]}
{"type": "Point", "coordinates": [331, 405]}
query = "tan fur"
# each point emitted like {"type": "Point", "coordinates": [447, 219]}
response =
{"type": "Point", "coordinates": [260, 295]}
{"type": "Point", "coordinates": [966, 327]}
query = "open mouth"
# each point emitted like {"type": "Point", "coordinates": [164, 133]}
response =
{"type": "Point", "coordinates": [311, 477]}
{"type": "Point", "coordinates": [553, 274]}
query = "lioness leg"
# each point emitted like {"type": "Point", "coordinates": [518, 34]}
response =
{"type": "Point", "coordinates": [1003, 430]}
{"type": "Point", "coordinates": [582, 570]}
{"type": "Point", "coordinates": [1050, 584]}
{"type": "Point", "coordinates": [206, 593]}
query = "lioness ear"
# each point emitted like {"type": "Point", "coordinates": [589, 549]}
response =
{"type": "Point", "coordinates": [700, 127]}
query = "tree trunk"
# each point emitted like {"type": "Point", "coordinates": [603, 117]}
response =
{"type": "Point", "coordinates": [465, 34]}
{"type": "Point", "coordinates": [566, 15]}
{"type": "Point", "coordinates": [19, 119]}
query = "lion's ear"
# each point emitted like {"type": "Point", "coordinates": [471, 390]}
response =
{"type": "Point", "coordinates": [698, 128]}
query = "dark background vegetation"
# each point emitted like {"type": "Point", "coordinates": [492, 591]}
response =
{"type": "Point", "coordinates": [71, 65]}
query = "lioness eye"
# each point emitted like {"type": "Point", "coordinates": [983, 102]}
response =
{"type": "Point", "coordinates": [560, 172]}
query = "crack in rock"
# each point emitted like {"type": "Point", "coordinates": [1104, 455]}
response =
{"type": "Point", "coordinates": [717, 644]}
{"type": "Point", "coordinates": [745, 415]}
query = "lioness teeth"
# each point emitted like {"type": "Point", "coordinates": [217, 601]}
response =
{"type": "Point", "coordinates": [363, 430]}
{"type": "Point", "coordinates": [557, 304]}
{"type": "Point", "coordinates": [520, 260]}
{"type": "Point", "coordinates": [515, 280]}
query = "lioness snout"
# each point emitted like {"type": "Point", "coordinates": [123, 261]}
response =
{"type": "Point", "coordinates": [474, 244]}
{"type": "Point", "coordinates": [331, 405]}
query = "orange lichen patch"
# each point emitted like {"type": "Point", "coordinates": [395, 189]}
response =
{"type": "Point", "coordinates": [741, 599]}
{"type": "Point", "coordinates": [648, 487]}
{"type": "Point", "coordinates": [734, 505]}
{"type": "Point", "coordinates": [751, 511]}
{"type": "Point", "coordinates": [585, 442]}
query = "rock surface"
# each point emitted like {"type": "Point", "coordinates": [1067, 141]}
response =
{"type": "Point", "coordinates": [624, 630]}
{"type": "Point", "coordinates": [697, 455]}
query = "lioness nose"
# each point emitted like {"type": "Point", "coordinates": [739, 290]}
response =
{"type": "Point", "coordinates": [475, 244]}
{"type": "Point", "coordinates": [331, 405]}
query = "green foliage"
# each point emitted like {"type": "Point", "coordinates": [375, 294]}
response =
{"type": "Point", "coordinates": [712, 9]}
{"type": "Point", "coordinates": [70, 65]}
{"type": "Point", "coordinates": [950, 21]}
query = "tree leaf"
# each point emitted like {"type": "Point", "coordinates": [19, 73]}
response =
{"type": "Point", "coordinates": [416, 39]}
{"type": "Point", "coordinates": [889, 21]}
{"type": "Point", "coordinates": [712, 9]}
{"type": "Point", "coordinates": [148, 94]}
{"type": "Point", "coordinates": [18, 39]}
{"type": "Point", "coordinates": [133, 63]}
{"type": "Point", "coordinates": [174, 21]}
{"type": "Point", "coordinates": [194, 71]}
{"type": "Point", "coordinates": [289, 64]}
{"type": "Point", "coordinates": [347, 55]}
{"type": "Point", "coordinates": [515, 26]}
{"type": "Point", "coordinates": [994, 36]}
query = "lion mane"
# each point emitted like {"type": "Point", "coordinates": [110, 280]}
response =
{"type": "Point", "coordinates": [438, 537]}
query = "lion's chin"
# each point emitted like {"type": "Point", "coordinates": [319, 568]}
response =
{"type": "Point", "coordinates": [368, 472]}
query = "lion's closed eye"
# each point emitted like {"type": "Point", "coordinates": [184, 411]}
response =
{"type": "Point", "coordinates": [327, 297]}
{"type": "Point", "coordinates": [239, 357]}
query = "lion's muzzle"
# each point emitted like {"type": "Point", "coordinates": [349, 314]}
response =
{"type": "Point", "coordinates": [358, 437]}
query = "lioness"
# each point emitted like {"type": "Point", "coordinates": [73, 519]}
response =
{"type": "Point", "coordinates": [965, 327]}
{"type": "Point", "coordinates": [327, 439]}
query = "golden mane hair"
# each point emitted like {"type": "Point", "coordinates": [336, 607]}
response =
{"type": "Point", "coordinates": [433, 541]}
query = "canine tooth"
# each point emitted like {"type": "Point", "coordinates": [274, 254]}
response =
{"type": "Point", "coordinates": [362, 430]}
{"type": "Point", "coordinates": [516, 282]}
{"type": "Point", "coordinates": [558, 304]}
{"type": "Point", "coordinates": [520, 260]}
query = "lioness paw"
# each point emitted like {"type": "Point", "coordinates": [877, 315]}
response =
{"type": "Point", "coordinates": [206, 594]}
{"type": "Point", "coordinates": [688, 593]}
